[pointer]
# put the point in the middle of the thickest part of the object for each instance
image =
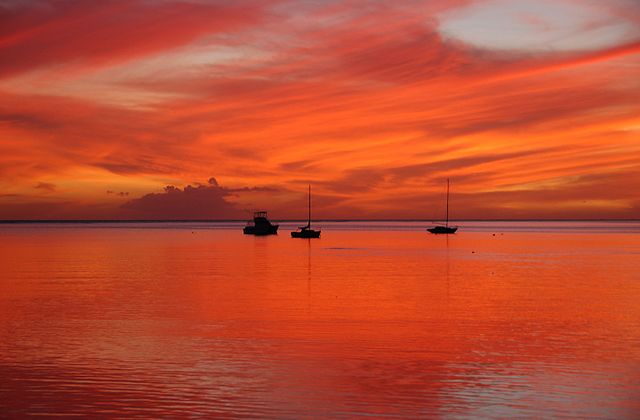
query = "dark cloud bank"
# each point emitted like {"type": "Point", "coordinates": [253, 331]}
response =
{"type": "Point", "coordinates": [191, 202]}
{"type": "Point", "coordinates": [199, 202]}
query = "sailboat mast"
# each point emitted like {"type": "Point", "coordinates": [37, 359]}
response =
{"type": "Point", "coordinates": [447, 220]}
{"type": "Point", "coordinates": [309, 221]}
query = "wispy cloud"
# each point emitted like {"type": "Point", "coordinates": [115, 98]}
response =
{"type": "Point", "coordinates": [370, 101]}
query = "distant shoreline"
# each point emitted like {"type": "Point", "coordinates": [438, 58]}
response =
{"type": "Point", "coordinates": [39, 221]}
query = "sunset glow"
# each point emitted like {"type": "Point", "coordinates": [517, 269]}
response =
{"type": "Point", "coordinates": [201, 109]}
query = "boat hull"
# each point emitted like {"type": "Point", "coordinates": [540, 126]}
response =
{"type": "Point", "coordinates": [261, 230]}
{"type": "Point", "coordinates": [442, 230]}
{"type": "Point", "coordinates": [308, 233]}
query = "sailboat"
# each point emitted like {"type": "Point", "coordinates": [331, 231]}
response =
{"type": "Point", "coordinates": [306, 231]}
{"type": "Point", "coordinates": [446, 229]}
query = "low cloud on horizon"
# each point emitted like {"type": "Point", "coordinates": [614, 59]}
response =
{"type": "Point", "coordinates": [191, 202]}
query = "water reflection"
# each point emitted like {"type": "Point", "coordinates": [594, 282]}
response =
{"type": "Point", "coordinates": [309, 275]}
{"type": "Point", "coordinates": [166, 323]}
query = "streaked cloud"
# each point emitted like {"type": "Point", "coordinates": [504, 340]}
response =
{"type": "Point", "coordinates": [531, 108]}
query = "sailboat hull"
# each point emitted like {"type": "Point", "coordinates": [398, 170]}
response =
{"type": "Point", "coordinates": [306, 233]}
{"type": "Point", "coordinates": [440, 230]}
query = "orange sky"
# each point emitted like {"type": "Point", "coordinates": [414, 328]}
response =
{"type": "Point", "coordinates": [127, 109]}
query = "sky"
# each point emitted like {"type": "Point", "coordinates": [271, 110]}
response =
{"type": "Point", "coordinates": [194, 109]}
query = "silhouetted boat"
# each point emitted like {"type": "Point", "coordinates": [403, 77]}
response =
{"type": "Point", "coordinates": [260, 225]}
{"type": "Point", "coordinates": [446, 229]}
{"type": "Point", "coordinates": [306, 231]}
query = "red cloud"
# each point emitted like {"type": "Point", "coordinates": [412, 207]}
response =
{"type": "Point", "coordinates": [370, 103]}
{"type": "Point", "coordinates": [37, 34]}
{"type": "Point", "coordinates": [46, 186]}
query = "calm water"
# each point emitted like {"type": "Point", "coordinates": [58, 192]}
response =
{"type": "Point", "coordinates": [377, 319]}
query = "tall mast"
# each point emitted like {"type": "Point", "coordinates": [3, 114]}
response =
{"type": "Point", "coordinates": [447, 221]}
{"type": "Point", "coordinates": [309, 222]}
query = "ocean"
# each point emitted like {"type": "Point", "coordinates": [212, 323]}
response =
{"type": "Point", "coordinates": [377, 319]}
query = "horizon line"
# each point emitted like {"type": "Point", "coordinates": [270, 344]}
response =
{"type": "Point", "coordinates": [37, 221]}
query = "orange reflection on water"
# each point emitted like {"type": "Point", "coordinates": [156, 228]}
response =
{"type": "Point", "coordinates": [164, 320]}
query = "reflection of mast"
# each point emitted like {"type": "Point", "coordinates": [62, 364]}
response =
{"type": "Point", "coordinates": [447, 264]}
{"type": "Point", "coordinates": [309, 274]}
